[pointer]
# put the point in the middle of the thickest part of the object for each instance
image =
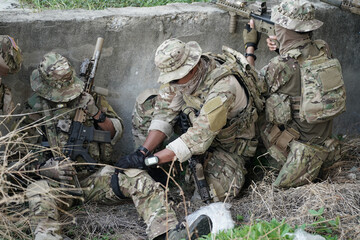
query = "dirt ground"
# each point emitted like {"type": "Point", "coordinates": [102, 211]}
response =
{"type": "Point", "coordinates": [338, 194]}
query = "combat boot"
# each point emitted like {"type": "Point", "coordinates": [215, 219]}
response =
{"type": "Point", "coordinates": [201, 226]}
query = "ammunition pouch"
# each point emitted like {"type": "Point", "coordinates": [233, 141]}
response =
{"type": "Point", "coordinates": [277, 109]}
{"type": "Point", "coordinates": [278, 141]}
{"type": "Point", "coordinates": [238, 135]}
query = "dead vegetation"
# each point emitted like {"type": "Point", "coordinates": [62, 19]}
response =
{"type": "Point", "coordinates": [339, 195]}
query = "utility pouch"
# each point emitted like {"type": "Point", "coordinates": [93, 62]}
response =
{"type": "Point", "coordinates": [277, 109]}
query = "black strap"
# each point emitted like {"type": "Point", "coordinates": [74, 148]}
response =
{"type": "Point", "coordinates": [101, 119]}
{"type": "Point", "coordinates": [115, 185]}
{"type": "Point", "coordinates": [250, 55]}
{"type": "Point", "coordinates": [145, 150]}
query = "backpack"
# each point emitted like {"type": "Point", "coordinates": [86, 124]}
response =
{"type": "Point", "coordinates": [323, 93]}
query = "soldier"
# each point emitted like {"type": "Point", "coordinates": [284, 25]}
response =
{"type": "Point", "coordinates": [10, 62]}
{"type": "Point", "coordinates": [222, 114]}
{"type": "Point", "coordinates": [58, 90]}
{"type": "Point", "coordinates": [305, 92]}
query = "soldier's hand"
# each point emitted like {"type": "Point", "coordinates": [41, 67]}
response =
{"type": "Point", "coordinates": [87, 103]}
{"type": "Point", "coordinates": [133, 160]}
{"type": "Point", "coordinates": [58, 169]}
{"type": "Point", "coordinates": [271, 43]}
{"type": "Point", "coordinates": [250, 35]}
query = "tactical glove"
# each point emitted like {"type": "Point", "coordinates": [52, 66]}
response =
{"type": "Point", "coordinates": [58, 169]}
{"type": "Point", "coordinates": [251, 37]}
{"type": "Point", "coordinates": [87, 103]}
{"type": "Point", "coordinates": [133, 160]}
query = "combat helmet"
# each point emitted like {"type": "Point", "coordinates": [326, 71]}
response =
{"type": "Point", "coordinates": [55, 79]}
{"type": "Point", "coordinates": [175, 59]}
{"type": "Point", "coordinates": [296, 15]}
{"type": "Point", "coordinates": [10, 55]}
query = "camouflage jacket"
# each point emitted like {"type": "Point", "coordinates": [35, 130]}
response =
{"type": "Point", "coordinates": [101, 152]}
{"type": "Point", "coordinates": [6, 103]}
{"type": "Point", "coordinates": [223, 114]}
{"type": "Point", "coordinates": [283, 76]}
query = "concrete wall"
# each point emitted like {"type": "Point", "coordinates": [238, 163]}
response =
{"type": "Point", "coordinates": [133, 34]}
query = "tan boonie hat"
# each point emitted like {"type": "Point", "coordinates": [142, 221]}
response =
{"type": "Point", "coordinates": [55, 79]}
{"type": "Point", "coordinates": [175, 59]}
{"type": "Point", "coordinates": [10, 55]}
{"type": "Point", "coordinates": [296, 15]}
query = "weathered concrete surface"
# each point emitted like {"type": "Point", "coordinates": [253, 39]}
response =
{"type": "Point", "coordinates": [133, 34]}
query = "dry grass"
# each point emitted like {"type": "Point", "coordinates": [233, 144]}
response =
{"type": "Point", "coordinates": [339, 195]}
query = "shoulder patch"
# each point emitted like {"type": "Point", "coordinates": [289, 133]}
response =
{"type": "Point", "coordinates": [216, 113]}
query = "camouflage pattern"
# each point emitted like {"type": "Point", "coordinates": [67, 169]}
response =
{"type": "Point", "coordinates": [323, 89]}
{"type": "Point", "coordinates": [6, 103]}
{"type": "Point", "coordinates": [175, 59]}
{"type": "Point", "coordinates": [142, 115]}
{"type": "Point", "coordinates": [296, 15]}
{"type": "Point", "coordinates": [147, 195]}
{"type": "Point", "coordinates": [55, 79]}
{"type": "Point", "coordinates": [300, 160]}
{"type": "Point", "coordinates": [43, 208]}
{"type": "Point", "coordinates": [216, 96]}
{"type": "Point", "coordinates": [11, 53]}
{"type": "Point", "coordinates": [277, 109]}
{"type": "Point", "coordinates": [230, 138]}
{"type": "Point", "coordinates": [44, 203]}
{"type": "Point", "coordinates": [100, 152]}
{"type": "Point", "coordinates": [225, 172]}
{"type": "Point", "coordinates": [302, 165]}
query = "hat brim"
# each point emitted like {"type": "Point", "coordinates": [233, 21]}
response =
{"type": "Point", "coordinates": [190, 63]}
{"type": "Point", "coordinates": [294, 24]}
{"type": "Point", "coordinates": [53, 94]}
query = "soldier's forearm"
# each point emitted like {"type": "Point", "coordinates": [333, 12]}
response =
{"type": "Point", "coordinates": [154, 138]}
{"type": "Point", "coordinates": [107, 125]}
{"type": "Point", "coordinates": [165, 155]}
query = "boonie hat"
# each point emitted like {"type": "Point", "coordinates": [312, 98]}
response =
{"type": "Point", "coordinates": [55, 79]}
{"type": "Point", "coordinates": [296, 15]}
{"type": "Point", "coordinates": [175, 59]}
{"type": "Point", "coordinates": [10, 55]}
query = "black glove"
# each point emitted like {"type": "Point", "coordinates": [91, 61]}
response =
{"type": "Point", "coordinates": [133, 160]}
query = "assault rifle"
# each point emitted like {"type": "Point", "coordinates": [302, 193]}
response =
{"type": "Point", "coordinates": [256, 11]}
{"type": "Point", "coordinates": [196, 166]}
{"type": "Point", "coordinates": [81, 135]}
{"type": "Point", "coordinates": [352, 6]}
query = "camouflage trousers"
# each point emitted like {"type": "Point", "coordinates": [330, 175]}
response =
{"type": "Point", "coordinates": [45, 201]}
{"type": "Point", "coordinates": [301, 166]}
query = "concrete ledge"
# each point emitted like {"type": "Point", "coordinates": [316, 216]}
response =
{"type": "Point", "coordinates": [133, 34]}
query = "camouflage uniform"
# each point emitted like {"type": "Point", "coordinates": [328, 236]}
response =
{"type": "Point", "coordinates": [299, 147]}
{"type": "Point", "coordinates": [57, 88]}
{"type": "Point", "coordinates": [222, 116]}
{"type": "Point", "coordinates": [11, 59]}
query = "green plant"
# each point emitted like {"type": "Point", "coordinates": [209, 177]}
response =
{"type": "Point", "coordinates": [323, 226]}
{"type": "Point", "coordinates": [279, 230]}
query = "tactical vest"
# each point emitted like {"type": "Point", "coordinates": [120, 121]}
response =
{"type": "Point", "coordinates": [57, 130]}
{"type": "Point", "coordinates": [323, 93]}
{"type": "Point", "coordinates": [237, 135]}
